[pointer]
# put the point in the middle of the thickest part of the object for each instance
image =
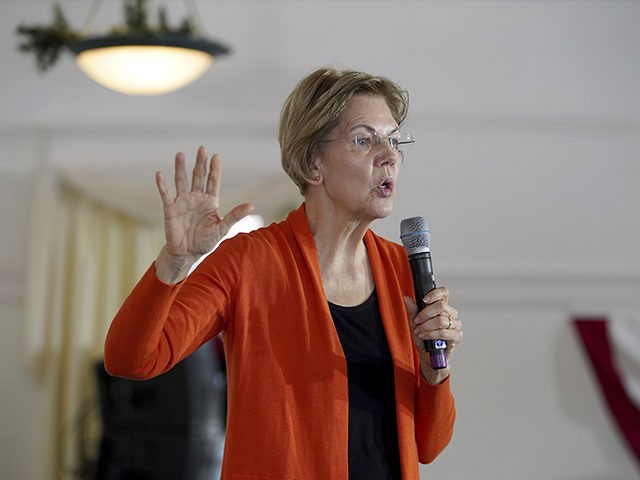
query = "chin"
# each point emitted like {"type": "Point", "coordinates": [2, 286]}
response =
{"type": "Point", "coordinates": [383, 210]}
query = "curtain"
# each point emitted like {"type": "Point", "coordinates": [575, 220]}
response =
{"type": "Point", "coordinates": [85, 257]}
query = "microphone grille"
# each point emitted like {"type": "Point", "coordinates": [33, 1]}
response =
{"type": "Point", "coordinates": [415, 235]}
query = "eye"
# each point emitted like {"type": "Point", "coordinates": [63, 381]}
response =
{"type": "Point", "coordinates": [363, 141]}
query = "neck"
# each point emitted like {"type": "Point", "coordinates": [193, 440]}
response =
{"type": "Point", "coordinates": [337, 236]}
{"type": "Point", "coordinates": [342, 256]}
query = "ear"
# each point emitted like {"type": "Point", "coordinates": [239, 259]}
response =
{"type": "Point", "coordinates": [315, 172]}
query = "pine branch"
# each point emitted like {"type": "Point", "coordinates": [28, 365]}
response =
{"type": "Point", "coordinates": [48, 42]}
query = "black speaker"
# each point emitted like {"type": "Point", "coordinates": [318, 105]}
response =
{"type": "Point", "coordinates": [169, 427]}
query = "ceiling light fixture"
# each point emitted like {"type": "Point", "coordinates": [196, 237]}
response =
{"type": "Point", "coordinates": [134, 59]}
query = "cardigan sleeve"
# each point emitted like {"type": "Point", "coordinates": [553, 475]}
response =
{"type": "Point", "coordinates": [435, 417]}
{"type": "Point", "coordinates": [158, 324]}
{"type": "Point", "coordinates": [137, 327]}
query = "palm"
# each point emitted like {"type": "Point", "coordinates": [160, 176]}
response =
{"type": "Point", "coordinates": [193, 224]}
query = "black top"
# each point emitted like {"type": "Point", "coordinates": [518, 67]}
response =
{"type": "Point", "coordinates": [373, 431]}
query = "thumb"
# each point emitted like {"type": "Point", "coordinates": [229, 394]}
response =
{"type": "Point", "coordinates": [236, 214]}
{"type": "Point", "coordinates": [412, 310]}
{"type": "Point", "coordinates": [411, 306]}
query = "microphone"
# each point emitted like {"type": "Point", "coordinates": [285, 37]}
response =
{"type": "Point", "coordinates": [416, 238]}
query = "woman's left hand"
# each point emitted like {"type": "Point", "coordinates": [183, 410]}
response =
{"type": "Point", "coordinates": [438, 320]}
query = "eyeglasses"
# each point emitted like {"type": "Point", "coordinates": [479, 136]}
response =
{"type": "Point", "coordinates": [367, 141]}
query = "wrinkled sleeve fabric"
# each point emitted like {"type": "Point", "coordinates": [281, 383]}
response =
{"type": "Point", "coordinates": [158, 324]}
{"type": "Point", "coordinates": [435, 418]}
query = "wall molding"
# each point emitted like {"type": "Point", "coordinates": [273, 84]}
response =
{"type": "Point", "coordinates": [578, 292]}
{"type": "Point", "coordinates": [571, 291]}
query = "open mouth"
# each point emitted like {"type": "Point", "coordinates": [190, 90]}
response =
{"type": "Point", "coordinates": [386, 187]}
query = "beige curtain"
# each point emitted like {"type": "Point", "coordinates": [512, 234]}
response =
{"type": "Point", "coordinates": [92, 237]}
{"type": "Point", "coordinates": [85, 257]}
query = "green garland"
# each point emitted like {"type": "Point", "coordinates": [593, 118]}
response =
{"type": "Point", "coordinates": [47, 42]}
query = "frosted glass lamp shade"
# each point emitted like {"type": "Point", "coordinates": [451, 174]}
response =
{"type": "Point", "coordinates": [145, 65]}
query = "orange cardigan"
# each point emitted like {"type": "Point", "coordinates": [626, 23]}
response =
{"type": "Point", "coordinates": [287, 374]}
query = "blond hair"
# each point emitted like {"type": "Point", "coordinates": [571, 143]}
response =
{"type": "Point", "coordinates": [315, 104]}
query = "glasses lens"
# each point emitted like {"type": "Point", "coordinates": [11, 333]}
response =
{"type": "Point", "coordinates": [400, 141]}
{"type": "Point", "coordinates": [403, 141]}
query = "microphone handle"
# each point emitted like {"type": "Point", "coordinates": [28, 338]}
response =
{"type": "Point", "coordinates": [423, 282]}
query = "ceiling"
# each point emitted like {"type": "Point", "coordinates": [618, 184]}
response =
{"type": "Point", "coordinates": [462, 61]}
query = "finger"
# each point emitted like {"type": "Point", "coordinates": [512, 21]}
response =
{"type": "Point", "coordinates": [437, 315]}
{"type": "Point", "coordinates": [412, 309]}
{"type": "Point", "coordinates": [180, 175]}
{"type": "Point", "coordinates": [163, 189]}
{"type": "Point", "coordinates": [448, 316]}
{"type": "Point", "coordinates": [445, 322]}
{"type": "Point", "coordinates": [431, 311]}
{"type": "Point", "coordinates": [439, 325]}
{"type": "Point", "coordinates": [236, 214]}
{"type": "Point", "coordinates": [432, 324]}
{"type": "Point", "coordinates": [439, 293]}
{"type": "Point", "coordinates": [456, 325]}
{"type": "Point", "coordinates": [215, 176]}
{"type": "Point", "coordinates": [199, 170]}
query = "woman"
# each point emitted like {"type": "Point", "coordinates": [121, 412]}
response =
{"type": "Point", "coordinates": [316, 312]}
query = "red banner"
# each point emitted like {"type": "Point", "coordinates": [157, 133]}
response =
{"type": "Point", "coordinates": [596, 340]}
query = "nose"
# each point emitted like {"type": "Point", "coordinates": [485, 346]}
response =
{"type": "Point", "coordinates": [387, 155]}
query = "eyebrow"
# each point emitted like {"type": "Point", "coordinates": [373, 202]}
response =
{"type": "Point", "coordinates": [371, 129]}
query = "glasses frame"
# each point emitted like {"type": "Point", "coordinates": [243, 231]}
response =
{"type": "Point", "coordinates": [400, 146]}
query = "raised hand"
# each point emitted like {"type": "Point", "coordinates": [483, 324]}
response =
{"type": "Point", "coordinates": [192, 222]}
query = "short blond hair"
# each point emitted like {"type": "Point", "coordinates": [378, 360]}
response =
{"type": "Point", "coordinates": [315, 104]}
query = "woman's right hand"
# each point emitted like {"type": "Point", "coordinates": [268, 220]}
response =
{"type": "Point", "coordinates": [192, 222]}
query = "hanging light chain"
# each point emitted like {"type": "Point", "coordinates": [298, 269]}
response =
{"type": "Point", "coordinates": [190, 5]}
{"type": "Point", "coordinates": [91, 18]}
{"type": "Point", "coordinates": [194, 13]}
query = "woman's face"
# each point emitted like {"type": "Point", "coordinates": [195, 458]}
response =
{"type": "Point", "coordinates": [358, 172]}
